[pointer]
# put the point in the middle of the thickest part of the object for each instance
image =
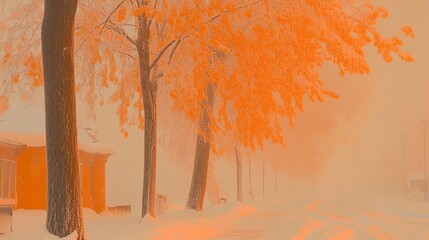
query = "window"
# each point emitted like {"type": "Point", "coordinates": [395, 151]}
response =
{"type": "Point", "coordinates": [7, 180]}
{"type": "Point", "coordinates": [12, 174]}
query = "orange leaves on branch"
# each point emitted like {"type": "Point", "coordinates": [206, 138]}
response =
{"type": "Point", "coordinates": [20, 62]}
{"type": "Point", "coordinates": [185, 11]}
{"type": "Point", "coordinates": [231, 8]}
{"type": "Point", "coordinates": [122, 13]}
{"type": "Point", "coordinates": [264, 64]}
{"type": "Point", "coordinates": [8, 49]}
{"type": "Point", "coordinates": [382, 12]}
{"type": "Point", "coordinates": [6, 57]}
{"type": "Point", "coordinates": [104, 77]}
{"type": "Point", "coordinates": [406, 57]}
{"type": "Point", "coordinates": [4, 104]}
{"type": "Point", "coordinates": [34, 69]}
{"type": "Point", "coordinates": [280, 54]}
{"type": "Point", "coordinates": [331, 94]}
{"type": "Point", "coordinates": [15, 78]}
{"type": "Point", "coordinates": [267, 4]}
{"type": "Point", "coordinates": [408, 31]}
{"type": "Point", "coordinates": [124, 132]}
{"type": "Point", "coordinates": [138, 11]}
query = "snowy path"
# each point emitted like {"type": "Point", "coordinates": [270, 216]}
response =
{"type": "Point", "coordinates": [322, 218]}
{"type": "Point", "coordinates": [306, 216]}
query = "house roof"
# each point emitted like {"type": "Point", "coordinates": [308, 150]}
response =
{"type": "Point", "coordinates": [25, 124]}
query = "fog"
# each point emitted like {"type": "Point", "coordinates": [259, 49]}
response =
{"type": "Point", "coordinates": [352, 144]}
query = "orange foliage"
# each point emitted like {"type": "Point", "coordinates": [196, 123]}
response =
{"type": "Point", "coordinates": [34, 71]}
{"type": "Point", "coordinates": [21, 66]}
{"type": "Point", "coordinates": [271, 63]}
{"type": "Point", "coordinates": [139, 10]}
{"type": "Point", "coordinates": [4, 104]}
{"type": "Point", "coordinates": [122, 12]}
{"type": "Point", "coordinates": [262, 56]}
{"type": "Point", "coordinates": [407, 30]}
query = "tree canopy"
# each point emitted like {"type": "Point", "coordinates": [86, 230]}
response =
{"type": "Point", "coordinates": [262, 56]}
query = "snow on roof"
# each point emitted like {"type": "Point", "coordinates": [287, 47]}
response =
{"type": "Point", "coordinates": [33, 140]}
{"type": "Point", "coordinates": [25, 124]}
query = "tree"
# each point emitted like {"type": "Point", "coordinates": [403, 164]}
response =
{"type": "Point", "coordinates": [115, 47]}
{"type": "Point", "coordinates": [273, 58]}
{"type": "Point", "coordinates": [133, 36]}
{"type": "Point", "coordinates": [239, 167]}
{"type": "Point", "coordinates": [64, 213]}
{"type": "Point", "coordinates": [160, 27]}
{"type": "Point", "coordinates": [274, 48]}
{"type": "Point", "coordinates": [22, 72]}
{"type": "Point", "coordinates": [273, 65]}
{"type": "Point", "coordinates": [250, 180]}
{"type": "Point", "coordinates": [202, 152]}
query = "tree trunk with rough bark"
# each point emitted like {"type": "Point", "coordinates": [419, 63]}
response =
{"type": "Point", "coordinates": [202, 153]}
{"type": "Point", "coordinates": [149, 91]}
{"type": "Point", "coordinates": [64, 210]}
{"type": "Point", "coordinates": [239, 175]}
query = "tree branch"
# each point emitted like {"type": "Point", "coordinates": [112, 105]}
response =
{"type": "Point", "coordinates": [154, 7]}
{"type": "Point", "coordinates": [108, 17]}
{"type": "Point", "coordinates": [86, 37]}
{"type": "Point", "coordinates": [104, 24]}
{"type": "Point", "coordinates": [121, 31]}
{"type": "Point", "coordinates": [125, 54]}
{"type": "Point", "coordinates": [207, 22]}
{"type": "Point", "coordinates": [155, 61]}
{"type": "Point", "coordinates": [175, 47]}
{"type": "Point", "coordinates": [228, 11]}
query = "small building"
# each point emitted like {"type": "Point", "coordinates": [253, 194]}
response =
{"type": "Point", "coordinates": [23, 168]}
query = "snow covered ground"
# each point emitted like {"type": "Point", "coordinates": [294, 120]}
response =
{"type": "Point", "coordinates": [305, 216]}
{"type": "Point", "coordinates": [176, 224]}
{"type": "Point", "coordinates": [333, 218]}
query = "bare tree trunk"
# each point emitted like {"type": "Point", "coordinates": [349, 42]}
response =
{"type": "Point", "coordinates": [239, 176]}
{"type": "Point", "coordinates": [202, 153]}
{"type": "Point", "coordinates": [250, 172]}
{"type": "Point", "coordinates": [64, 214]}
{"type": "Point", "coordinates": [149, 91]}
{"type": "Point", "coordinates": [263, 177]}
{"type": "Point", "coordinates": [275, 180]}
{"type": "Point", "coordinates": [250, 179]}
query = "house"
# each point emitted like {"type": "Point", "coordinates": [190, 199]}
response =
{"type": "Point", "coordinates": [24, 176]}
{"type": "Point", "coordinates": [23, 170]}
